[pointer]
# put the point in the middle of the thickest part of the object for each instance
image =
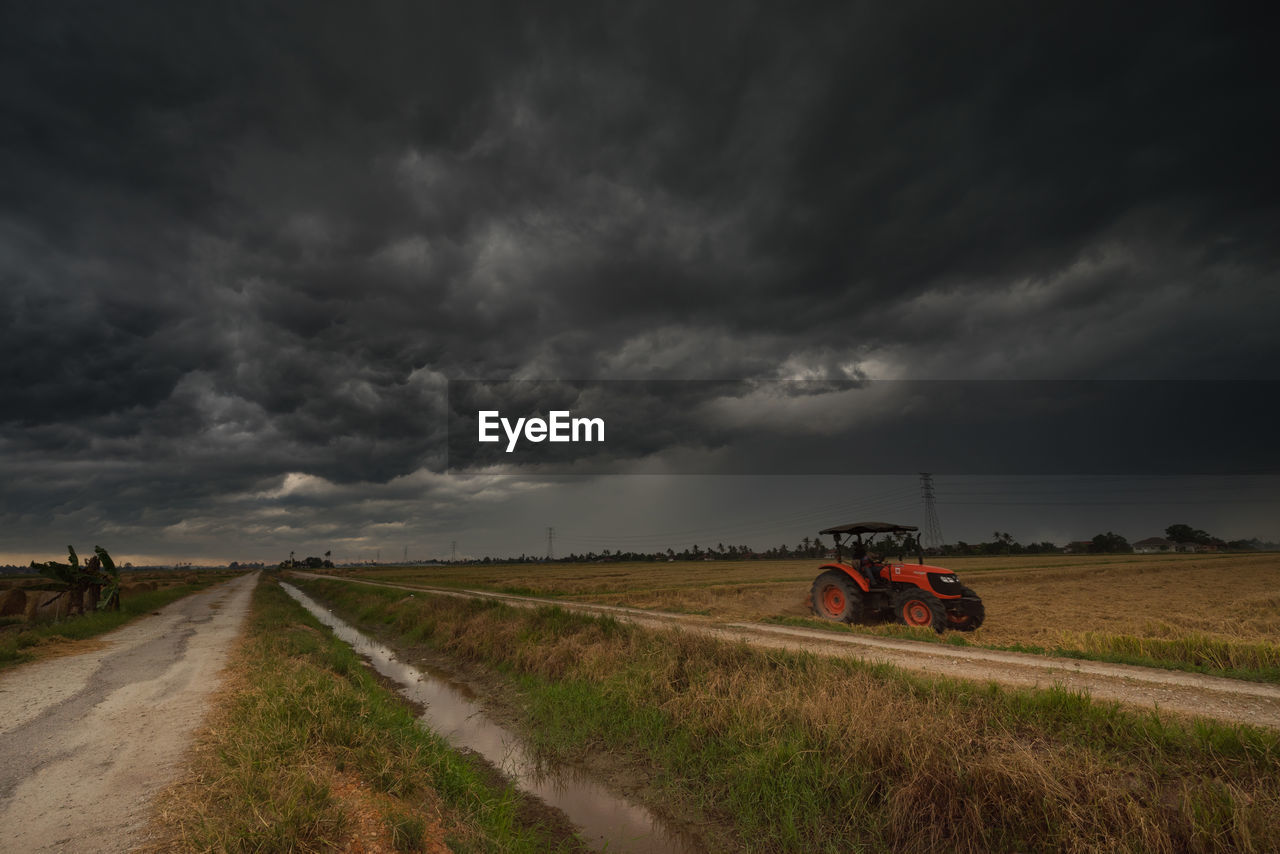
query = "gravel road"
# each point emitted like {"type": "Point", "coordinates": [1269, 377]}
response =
{"type": "Point", "coordinates": [86, 740]}
{"type": "Point", "coordinates": [1231, 700]}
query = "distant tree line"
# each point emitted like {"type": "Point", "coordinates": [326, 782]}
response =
{"type": "Point", "coordinates": [1180, 535]}
{"type": "Point", "coordinates": [307, 562]}
{"type": "Point", "coordinates": [1001, 543]}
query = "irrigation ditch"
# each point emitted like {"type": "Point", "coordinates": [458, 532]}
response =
{"type": "Point", "coordinates": [605, 820]}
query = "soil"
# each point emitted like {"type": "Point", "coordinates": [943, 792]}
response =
{"type": "Point", "coordinates": [87, 739]}
{"type": "Point", "coordinates": [367, 832]}
{"type": "Point", "coordinates": [1189, 694]}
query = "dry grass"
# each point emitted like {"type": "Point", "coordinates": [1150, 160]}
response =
{"type": "Point", "coordinates": [802, 753]}
{"type": "Point", "coordinates": [1198, 608]}
{"type": "Point", "coordinates": [306, 752]}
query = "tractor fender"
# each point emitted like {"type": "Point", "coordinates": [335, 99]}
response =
{"type": "Point", "coordinates": [858, 578]}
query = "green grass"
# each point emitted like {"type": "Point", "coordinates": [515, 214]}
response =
{"type": "Point", "coordinates": [15, 645]}
{"type": "Point", "coordinates": [797, 752]}
{"type": "Point", "coordinates": [306, 708]}
{"type": "Point", "coordinates": [1195, 652]}
{"type": "Point", "coordinates": [407, 831]}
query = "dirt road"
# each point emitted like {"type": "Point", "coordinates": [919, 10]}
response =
{"type": "Point", "coordinates": [86, 740]}
{"type": "Point", "coordinates": [1229, 700]}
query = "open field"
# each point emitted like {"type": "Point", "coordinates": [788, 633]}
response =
{"type": "Point", "coordinates": [1197, 695]}
{"type": "Point", "coordinates": [793, 752]}
{"type": "Point", "coordinates": [1213, 613]}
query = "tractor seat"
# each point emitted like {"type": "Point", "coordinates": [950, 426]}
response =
{"type": "Point", "coordinates": [871, 570]}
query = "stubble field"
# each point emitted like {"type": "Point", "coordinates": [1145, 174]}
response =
{"type": "Point", "coordinates": [1213, 613]}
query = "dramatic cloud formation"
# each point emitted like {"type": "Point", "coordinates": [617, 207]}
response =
{"type": "Point", "coordinates": [244, 249]}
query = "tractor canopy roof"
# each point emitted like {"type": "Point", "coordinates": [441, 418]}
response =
{"type": "Point", "coordinates": [868, 528]}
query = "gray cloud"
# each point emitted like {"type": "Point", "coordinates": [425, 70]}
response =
{"type": "Point", "coordinates": [239, 245]}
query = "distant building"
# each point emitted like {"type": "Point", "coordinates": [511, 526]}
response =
{"type": "Point", "coordinates": [1197, 547]}
{"type": "Point", "coordinates": [1153, 545]}
{"type": "Point", "coordinates": [1078, 547]}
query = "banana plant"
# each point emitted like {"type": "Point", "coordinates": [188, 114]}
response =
{"type": "Point", "coordinates": [97, 576]}
{"type": "Point", "coordinates": [69, 579]}
{"type": "Point", "coordinates": [110, 579]}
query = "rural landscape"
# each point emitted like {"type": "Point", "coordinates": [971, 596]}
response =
{"type": "Point", "coordinates": [845, 427]}
{"type": "Point", "coordinates": [704, 707]}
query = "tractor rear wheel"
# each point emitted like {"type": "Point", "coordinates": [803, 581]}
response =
{"type": "Point", "coordinates": [916, 607]}
{"type": "Point", "coordinates": [975, 612]}
{"type": "Point", "coordinates": [836, 598]}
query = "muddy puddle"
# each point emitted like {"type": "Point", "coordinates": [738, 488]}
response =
{"type": "Point", "coordinates": [605, 820]}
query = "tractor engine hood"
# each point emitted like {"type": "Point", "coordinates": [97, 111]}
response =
{"type": "Point", "coordinates": [919, 567]}
{"type": "Point", "coordinates": [940, 580]}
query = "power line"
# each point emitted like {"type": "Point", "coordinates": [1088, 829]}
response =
{"type": "Point", "coordinates": [933, 530]}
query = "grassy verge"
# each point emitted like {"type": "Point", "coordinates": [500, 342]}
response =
{"type": "Point", "coordinates": [802, 753]}
{"type": "Point", "coordinates": [308, 752]}
{"type": "Point", "coordinates": [20, 641]}
{"type": "Point", "coordinates": [1193, 653]}
{"type": "Point", "coordinates": [1196, 652]}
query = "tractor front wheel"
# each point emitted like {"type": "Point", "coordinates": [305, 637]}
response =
{"type": "Point", "coordinates": [836, 598]}
{"type": "Point", "coordinates": [915, 607]}
{"type": "Point", "coordinates": [971, 613]}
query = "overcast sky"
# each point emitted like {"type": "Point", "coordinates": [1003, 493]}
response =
{"type": "Point", "coordinates": [245, 247]}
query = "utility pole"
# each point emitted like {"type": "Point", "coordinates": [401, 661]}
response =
{"type": "Point", "coordinates": [932, 530]}
{"type": "Point", "coordinates": [406, 554]}
{"type": "Point", "coordinates": [453, 551]}
{"type": "Point", "coordinates": [551, 540]}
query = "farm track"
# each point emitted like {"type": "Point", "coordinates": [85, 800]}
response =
{"type": "Point", "coordinates": [86, 740]}
{"type": "Point", "coordinates": [1193, 694]}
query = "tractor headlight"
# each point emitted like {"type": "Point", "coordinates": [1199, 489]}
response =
{"type": "Point", "coordinates": [944, 584]}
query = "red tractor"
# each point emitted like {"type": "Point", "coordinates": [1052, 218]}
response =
{"type": "Point", "coordinates": [868, 589]}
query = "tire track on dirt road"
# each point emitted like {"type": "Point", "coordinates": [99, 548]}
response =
{"type": "Point", "coordinates": [86, 740]}
{"type": "Point", "coordinates": [1194, 694]}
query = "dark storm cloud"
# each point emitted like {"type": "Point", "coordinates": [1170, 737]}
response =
{"type": "Point", "coordinates": [866, 427]}
{"type": "Point", "coordinates": [242, 242]}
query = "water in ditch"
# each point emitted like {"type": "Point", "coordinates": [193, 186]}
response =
{"type": "Point", "coordinates": [604, 819]}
